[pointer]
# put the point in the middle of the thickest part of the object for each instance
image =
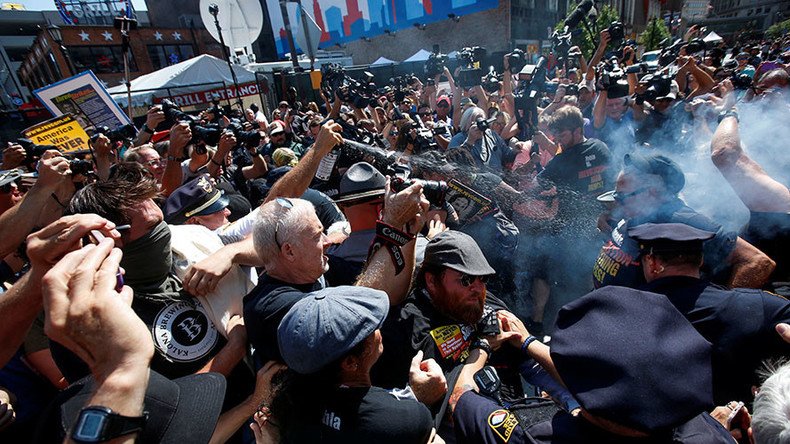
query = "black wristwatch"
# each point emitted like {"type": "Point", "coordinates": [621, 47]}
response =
{"type": "Point", "coordinates": [482, 344]}
{"type": "Point", "coordinates": [99, 424]}
{"type": "Point", "coordinates": [146, 129]}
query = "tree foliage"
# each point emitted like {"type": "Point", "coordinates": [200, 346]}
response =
{"type": "Point", "coordinates": [606, 15]}
{"type": "Point", "coordinates": [654, 33]}
{"type": "Point", "coordinates": [778, 29]}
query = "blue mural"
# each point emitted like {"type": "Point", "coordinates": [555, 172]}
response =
{"type": "Point", "coordinates": [343, 21]}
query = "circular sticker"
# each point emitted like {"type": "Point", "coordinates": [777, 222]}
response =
{"type": "Point", "coordinates": [183, 331]}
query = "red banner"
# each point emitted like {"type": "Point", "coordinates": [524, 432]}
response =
{"type": "Point", "coordinates": [204, 97]}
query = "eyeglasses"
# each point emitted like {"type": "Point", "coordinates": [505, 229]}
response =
{"type": "Point", "coordinates": [155, 163]}
{"type": "Point", "coordinates": [621, 197]}
{"type": "Point", "coordinates": [426, 113]}
{"type": "Point", "coordinates": [287, 205]}
{"type": "Point", "coordinates": [468, 279]}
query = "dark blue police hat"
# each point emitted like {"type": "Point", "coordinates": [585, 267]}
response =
{"type": "Point", "coordinates": [669, 238]}
{"type": "Point", "coordinates": [659, 165]}
{"type": "Point", "coordinates": [198, 197]}
{"type": "Point", "coordinates": [630, 357]}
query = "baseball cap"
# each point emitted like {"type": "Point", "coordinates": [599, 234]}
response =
{"type": "Point", "coordinates": [276, 128]}
{"type": "Point", "coordinates": [630, 356]}
{"type": "Point", "coordinates": [669, 238]}
{"type": "Point", "coordinates": [361, 182]}
{"type": "Point", "coordinates": [198, 197]}
{"type": "Point", "coordinates": [659, 165]}
{"type": "Point", "coordinates": [443, 99]}
{"type": "Point", "coordinates": [182, 410]}
{"type": "Point", "coordinates": [459, 251]}
{"type": "Point", "coordinates": [326, 324]}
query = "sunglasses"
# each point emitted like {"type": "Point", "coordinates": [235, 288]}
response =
{"type": "Point", "coordinates": [286, 204]}
{"type": "Point", "coordinates": [442, 105]}
{"type": "Point", "coordinates": [621, 197]}
{"type": "Point", "coordinates": [426, 113]}
{"type": "Point", "coordinates": [468, 279]}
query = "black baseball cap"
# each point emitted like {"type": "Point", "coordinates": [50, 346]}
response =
{"type": "Point", "coordinates": [459, 251]}
{"type": "Point", "coordinates": [659, 165]}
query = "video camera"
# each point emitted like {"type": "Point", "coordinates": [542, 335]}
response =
{"type": "Point", "coordinates": [119, 134]}
{"type": "Point", "coordinates": [435, 64]}
{"type": "Point", "coordinates": [491, 82]}
{"type": "Point", "coordinates": [612, 79]}
{"type": "Point", "coordinates": [484, 124]}
{"type": "Point", "coordinates": [209, 134]}
{"type": "Point", "coordinates": [616, 31]}
{"type": "Point", "coordinates": [657, 86]}
{"type": "Point", "coordinates": [470, 58]}
{"type": "Point", "coordinates": [360, 93]}
{"type": "Point", "coordinates": [516, 60]}
{"type": "Point", "coordinates": [560, 46]}
{"type": "Point", "coordinates": [248, 138]}
{"type": "Point", "coordinates": [531, 83]}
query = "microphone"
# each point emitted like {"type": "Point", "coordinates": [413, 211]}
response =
{"type": "Point", "coordinates": [579, 14]}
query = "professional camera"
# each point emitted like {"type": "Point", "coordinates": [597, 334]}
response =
{"type": "Point", "coordinates": [80, 166]}
{"type": "Point", "coordinates": [561, 45]}
{"type": "Point", "coordinates": [616, 31]}
{"type": "Point", "coordinates": [640, 68]}
{"type": "Point", "coordinates": [33, 151]}
{"type": "Point", "coordinates": [209, 134]}
{"type": "Point", "coordinates": [359, 93]}
{"type": "Point", "coordinates": [657, 86]}
{"type": "Point", "coordinates": [612, 79]}
{"type": "Point", "coordinates": [119, 134]}
{"type": "Point", "coordinates": [491, 82]}
{"type": "Point", "coordinates": [470, 58]}
{"type": "Point", "coordinates": [695, 45]}
{"type": "Point", "coordinates": [435, 64]}
{"type": "Point", "coordinates": [572, 90]}
{"type": "Point", "coordinates": [531, 84]}
{"type": "Point", "coordinates": [484, 124]}
{"type": "Point", "coordinates": [249, 138]}
{"type": "Point", "coordinates": [516, 60]}
{"type": "Point", "coordinates": [434, 190]}
{"type": "Point", "coordinates": [741, 81]}
{"type": "Point", "coordinates": [579, 14]}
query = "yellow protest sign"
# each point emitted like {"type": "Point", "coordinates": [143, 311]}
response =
{"type": "Point", "coordinates": [63, 132]}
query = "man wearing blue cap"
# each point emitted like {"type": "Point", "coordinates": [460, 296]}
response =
{"type": "Point", "coordinates": [647, 192]}
{"type": "Point", "coordinates": [740, 323]}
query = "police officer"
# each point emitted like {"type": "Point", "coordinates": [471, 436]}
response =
{"type": "Point", "coordinates": [740, 323]}
{"type": "Point", "coordinates": [639, 370]}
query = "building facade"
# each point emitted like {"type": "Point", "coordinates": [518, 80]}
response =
{"type": "Point", "coordinates": [732, 16]}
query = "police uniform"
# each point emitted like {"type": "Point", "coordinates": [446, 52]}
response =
{"type": "Point", "coordinates": [739, 323]}
{"type": "Point", "coordinates": [628, 357]}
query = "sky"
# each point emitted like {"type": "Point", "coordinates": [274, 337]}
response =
{"type": "Point", "coordinates": [49, 5]}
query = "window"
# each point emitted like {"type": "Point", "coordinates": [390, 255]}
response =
{"type": "Point", "coordinates": [100, 59]}
{"type": "Point", "coordinates": [166, 55]}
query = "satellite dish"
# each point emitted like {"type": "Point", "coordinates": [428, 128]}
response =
{"type": "Point", "coordinates": [241, 21]}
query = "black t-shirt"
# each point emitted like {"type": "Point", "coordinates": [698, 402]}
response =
{"type": "Point", "coordinates": [369, 415]}
{"type": "Point", "coordinates": [770, 232]}
{"type": "Point", "coordinates": [580, 173]}
{"type": "Point", "coordinates": [739, 323]}
{"type": "Point", "coordinates": [417, 325]}
{"type": "Point", "coordinates": [481, 420]}
{"type": "Point", "coordinates": [618, 261]}
{"type": "Point", "coordinates": [265, 307]}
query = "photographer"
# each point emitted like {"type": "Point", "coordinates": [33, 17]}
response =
{"type": "Point", "coordinates": [488, 149]}
{"type": "Point", "coordinates": [153, 118]}
{"type": "Point", "coordinates": [656, 108]}
{"type": "Point", "coordinates": [168, 175]}
{"type": "Point", "coordinates": [689, 67]}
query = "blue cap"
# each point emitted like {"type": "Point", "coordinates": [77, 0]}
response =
{"type": "Point", "coordinates": [198, 197]}
{"type": "Point", "coordinates": [669, 238]}
{"type": "Point", "coordinates": [326, 324]}
{"type": "Point", "coordinates": [630, 356]}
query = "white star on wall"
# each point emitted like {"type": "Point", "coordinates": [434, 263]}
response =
{"type": "Point", "coordinates": [107, 36]}
{"type": "Point", "coordinates": [84, 36]}
{"type": "Point", "coordinates": [158, 35]}
{"type": "Point", "coordinates": [177, 35]}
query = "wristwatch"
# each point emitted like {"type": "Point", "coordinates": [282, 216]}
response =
{"type": "Point", "coordinates": [482, 344]}
{"type": "Point", "coordinates": [99, 424]}
{"type": "Point", "coordinates": [729, 113]}
{"type": "Point", "coordinates": [146, 129]}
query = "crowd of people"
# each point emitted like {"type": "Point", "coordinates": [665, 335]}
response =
{"type": "Point", "coordinates": [597, 256]}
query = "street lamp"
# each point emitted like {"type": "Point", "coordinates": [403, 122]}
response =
{"type": "Point", "coordinates": [57, 36]}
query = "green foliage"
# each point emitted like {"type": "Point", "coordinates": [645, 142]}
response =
{"type": "Point", "coordinates": [778, 29]}
{"type": "Point", "coordinates": [606, 15]}
{"type": "Point", "coordinates": [655, 32]}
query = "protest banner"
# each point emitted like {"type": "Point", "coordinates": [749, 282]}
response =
{"type": "Point", "coordinates": [85, 98]}
{"type": "Point", "coordinates": [64, 132]}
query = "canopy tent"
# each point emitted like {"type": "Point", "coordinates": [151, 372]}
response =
{"type": "Point", "coordinates": [712, 37]}
{"type": "Point", "coordinates": [201, 73]}
{"type": "Point", "coordinates": [452, 55]}
{"type": "Point", "coordinates": [381, 61]}
{"type": "Point", "coordinates": [420, 56]}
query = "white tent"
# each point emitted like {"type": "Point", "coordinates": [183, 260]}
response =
{"type": "Point", "coordinates": [712, 37]}
{"type": "Point", "coordinates": [202, 69]}
{"type": "Point", "coordinates": [420, 56]}
{"type": "Point", "coordinates": [381, 61]}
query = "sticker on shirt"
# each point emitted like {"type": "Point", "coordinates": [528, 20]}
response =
{"type": "Point", "coordinates": [183, 332]}
{"type": "Point", "coordinates": [452, 340]}
{"type": "Point", "coordinates": [502, 422]}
